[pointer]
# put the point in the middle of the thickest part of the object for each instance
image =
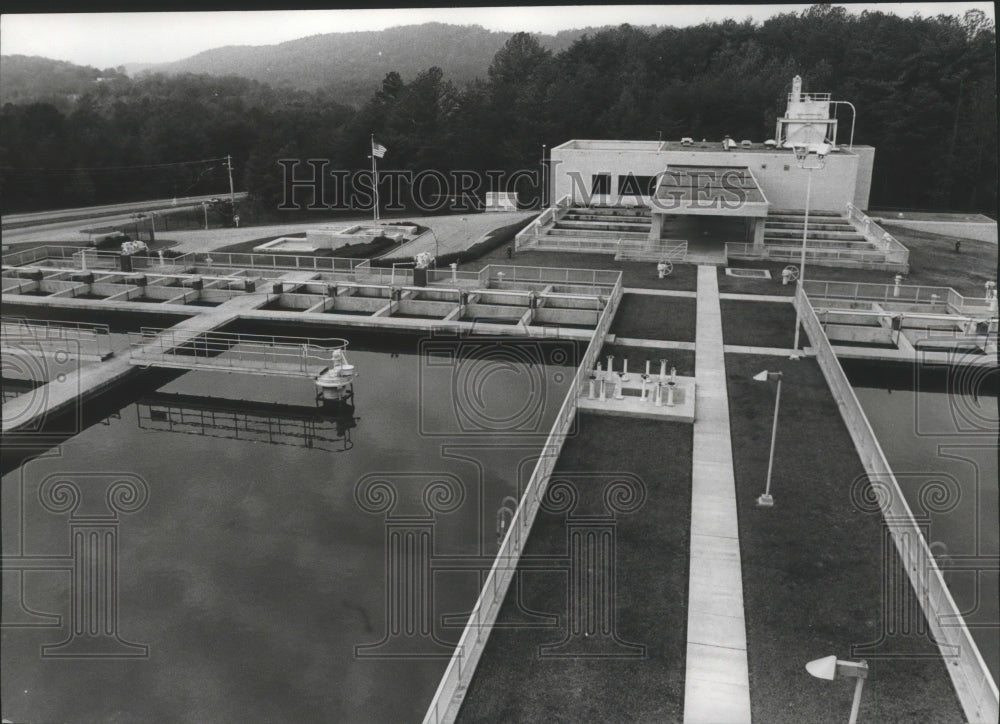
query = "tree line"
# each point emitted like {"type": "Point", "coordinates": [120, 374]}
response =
{"type": "Point", "coordinates": [924, 89]}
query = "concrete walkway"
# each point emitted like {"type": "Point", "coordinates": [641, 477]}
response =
{"type": "Point", "coordinates": [757, 297]}
{"type": "Point", "coordinates": [659, 292]}
{"type": "Point", "coordinates": [774, 351]}
{"type": "Point", "coordinates": [716, 687]}
{"type": "Point", "coordinates": [27, 412]}
{"type": "Point", "coordinates": [650, 343]}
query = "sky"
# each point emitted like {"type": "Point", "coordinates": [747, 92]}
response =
{"type": "Point", "coordinates": [106, 40]}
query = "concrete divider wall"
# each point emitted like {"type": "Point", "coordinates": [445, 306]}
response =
{"type": "Point", "coordinates": [447, 699]}
{"type": "Point", "coordinates": [977, 231]}
{"type": "Point", "coordinates": [557, 316]}
{"type": "Point", "coordinates": [976, 689]}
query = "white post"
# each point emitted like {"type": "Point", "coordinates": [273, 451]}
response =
{"type": "Point", "coordinates": [625, 370]}
{"type": "Point", "coordinates": [663, 369]}
{"type": "Point", "coordinates": [766, 500]}
{"type": "Point", "coordinates": [802, 267]}
{"type": "Point", "coordinates": [856, 704]}
{"type": "Point", "coordinates": [374, 181]}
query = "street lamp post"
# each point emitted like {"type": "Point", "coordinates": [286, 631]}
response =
{"type": "Point", "coordinates": [204, 207]}
{"type": "Point", "coordinates": [802, 153]}
{"type": "Point", "coordinates": [765, 500]}
{"type": "Point", "coordinates": [830, 667]}
{"type": "Point", "coordinates": [542, 204]}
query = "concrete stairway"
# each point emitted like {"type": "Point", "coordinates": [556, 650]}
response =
{"type": "Point", "coordinates": [829, 235]}
{"type": "Point", "coordinates": [597, 229]}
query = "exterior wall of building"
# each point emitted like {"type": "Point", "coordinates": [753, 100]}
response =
{"type": "Point", "coordinates": [866, 159]}
{"type": "Point", "coordinates": [844, 179]}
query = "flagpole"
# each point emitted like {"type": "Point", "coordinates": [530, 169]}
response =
{"type": "Point", "coordinates": [374, 180]}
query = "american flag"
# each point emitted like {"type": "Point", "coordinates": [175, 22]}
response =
{"type": "Point", "coordinates": [378, 150]}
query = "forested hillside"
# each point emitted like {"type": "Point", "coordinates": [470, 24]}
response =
{"type": "Point", "coordinates": [925, 91]}
{"type": "Point", "coordinates": [30, 79]}
{"type": "Point", "coordinates": [349, 65]}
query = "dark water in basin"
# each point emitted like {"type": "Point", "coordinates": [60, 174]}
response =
{"type": "Point", "coordinates": [253, 571]}
{"type": "Point", "coordinates": [937, 426]}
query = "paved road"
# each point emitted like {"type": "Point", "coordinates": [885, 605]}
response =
{"type": "Point", "coordinates": [454, 233]}
{"type": "Point", "coordinates": [92, 213]}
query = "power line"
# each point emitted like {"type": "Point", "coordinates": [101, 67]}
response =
{"type": "Point", "coordinates": [27, 169]}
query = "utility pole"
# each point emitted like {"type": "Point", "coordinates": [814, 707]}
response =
{"type": "Point", "coordinates": [232, 194]}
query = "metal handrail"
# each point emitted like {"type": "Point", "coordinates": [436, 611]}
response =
{"type": "Point", "coordinates": [268, 350]}
{"type": "Point", "coordinates": [465, 658]}
{"type": "Point", "coordinates": [14, 330]}
{"type": "Point", "coordinates": [970, 676]}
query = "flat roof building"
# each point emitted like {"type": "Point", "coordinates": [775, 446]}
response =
{"type": "Point", "coordinates": [719, 192]}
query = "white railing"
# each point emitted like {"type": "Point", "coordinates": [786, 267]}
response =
{"type": "Point", "coordinates": [235, 352]}
{"type": "Point", "coordinates": [556, 275]}
{"type": "Point", "coordinates": [576, 243]}
{"type": "Point", "coordinates": [458, 675]}
{"type": "Point", "coordinates": [904, 293]}
{"type": "Point", "coordinates": [970, 676]}
{"type": "Point", "coordinates": [665, 250]}
{"type": "Point", "coordinates": [831, 257]}
{"type": "Point", "coordinates": [61, 256]}
{"type": "Point", "coordinates": [895, 251]}
{"type": "Point", "coordinates": [284, 262]}
{"type": "Point", "coordinates": [27, 256]}
{"type": "Point", "coordinates": [530, 234]}
{"type": "Point", "coordinates": [247, 260]}
{"type": "Point", "coordinates": [94, 339]}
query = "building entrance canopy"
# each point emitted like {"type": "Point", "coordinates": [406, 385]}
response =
{"type": "Point", "coordinates": [709, 191]}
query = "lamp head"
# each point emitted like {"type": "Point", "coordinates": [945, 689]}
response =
{"type": "Point", "coordinates": [767, 376]}
{"type": "Point", "coordinates": [825, 668]}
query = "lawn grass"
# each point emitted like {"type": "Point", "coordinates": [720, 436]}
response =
{"type": "Point", "coordinates": [933, 260]}
{"type": "Point", "coordinates": [634, 274]}
{"type": "Point", "coordinates": [760, 324]}
{"type": "Point", "coordinates": [645, 316]}
{"type": "Point", "coordinates": [813, 564]}
{"type": "Point", "coordinates": [498, 238]}
{"type": "Point", "coordinates": [513, 682]}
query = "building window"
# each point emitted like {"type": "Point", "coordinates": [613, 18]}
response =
{"type": "Point", "coordinates": [600, 184]}
{"type": "Point", "coordinates": [631, 185]}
